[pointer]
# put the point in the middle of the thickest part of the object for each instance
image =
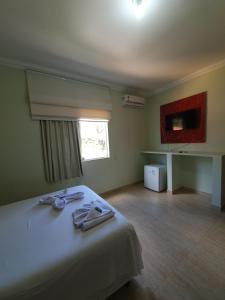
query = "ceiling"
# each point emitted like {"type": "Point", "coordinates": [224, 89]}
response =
{"type": "Point", "coordinates": [103, 39]}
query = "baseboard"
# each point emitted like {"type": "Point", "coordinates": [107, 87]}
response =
{"type": "Point", "coordinates": [119, 189]}
{"type": "Point", "coordinates": [179, 190]}
{"type": "Point", "coordinates": [184, 189]}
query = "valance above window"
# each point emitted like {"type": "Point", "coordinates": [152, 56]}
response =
{"type": "Point", "coordinates": [55, 98]}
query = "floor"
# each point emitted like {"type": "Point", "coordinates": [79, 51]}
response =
{"type": "Point", "coordinates": [183, 241]}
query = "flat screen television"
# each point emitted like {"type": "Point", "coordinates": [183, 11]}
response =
{"type": "Point", "coordinates": [188, 119]}
{"type": "Point", "coordinates": [183, 121]}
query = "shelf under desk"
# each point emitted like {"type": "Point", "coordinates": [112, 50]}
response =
{"type": "Point", "coordinates": [218, 171]}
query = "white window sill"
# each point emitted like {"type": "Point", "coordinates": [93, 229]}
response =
{"type": "Point", "coordinates": [93, 159]}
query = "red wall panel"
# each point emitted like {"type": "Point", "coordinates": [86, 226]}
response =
{"type": "Point", "coordinates": [193, 135]}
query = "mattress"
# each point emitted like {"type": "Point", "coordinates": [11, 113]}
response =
{"type": "Point", "coordinates": [43, 256]}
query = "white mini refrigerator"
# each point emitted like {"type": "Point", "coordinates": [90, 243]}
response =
{"type": "Point", "coordinates": [155, 177]}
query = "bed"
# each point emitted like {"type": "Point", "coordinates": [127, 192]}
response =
{"type": "Point", "coordinates": [43, 256]}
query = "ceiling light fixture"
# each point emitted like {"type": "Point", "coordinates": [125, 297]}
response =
{"type": "Point", "coordinates": [137, 2]}
{"type": "Point", "coordinates": [139, 7]}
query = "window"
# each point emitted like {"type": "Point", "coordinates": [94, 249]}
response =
{"type": "Point", "coordinates": [94, 141]}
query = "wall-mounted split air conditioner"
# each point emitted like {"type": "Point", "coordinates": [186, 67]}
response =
{"type": "Point", "coordinates": [133, 101]}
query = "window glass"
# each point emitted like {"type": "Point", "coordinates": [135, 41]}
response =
{"type": "Point", "coordinates": [94, 140]}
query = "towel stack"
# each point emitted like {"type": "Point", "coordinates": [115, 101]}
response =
{"type": "Point", "coordinates": [91, 214]}
{"type": "Point", "coordinates": [59, 201]}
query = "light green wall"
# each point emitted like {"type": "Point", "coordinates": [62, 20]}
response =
{"type": "Point", "coordinates": [214, 84]}
{"type": "Point", "coordinates": [196, 173]}
{"type": "Point", "coordinates": [22, 173]}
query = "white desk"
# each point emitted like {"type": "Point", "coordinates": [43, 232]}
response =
{"type": "Point", "coordinates": [218, 172]}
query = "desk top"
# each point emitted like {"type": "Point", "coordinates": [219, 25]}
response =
{"type": "Point", "coordinates": [186, 153]}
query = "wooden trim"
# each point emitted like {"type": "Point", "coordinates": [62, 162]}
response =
{"type": "Point", "coordinates": [184, 189]}
{"type": "Point", "coordinates": [120, 188]}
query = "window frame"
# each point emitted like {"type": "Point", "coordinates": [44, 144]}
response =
{"type": "Point", "coordinates": [107, 138]}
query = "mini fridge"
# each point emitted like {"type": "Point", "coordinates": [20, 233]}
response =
{"type": "Point", "coordinates": [155, 177]}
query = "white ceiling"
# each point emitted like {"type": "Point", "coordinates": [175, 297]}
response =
{"type": "Point", "coordinates": [103, 39]}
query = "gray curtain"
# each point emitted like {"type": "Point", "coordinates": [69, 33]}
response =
{"type": "Point", "coordinates": [60, 150]}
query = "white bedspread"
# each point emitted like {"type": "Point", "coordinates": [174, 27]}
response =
{"type": "Point", "coordinates": [43, 256]}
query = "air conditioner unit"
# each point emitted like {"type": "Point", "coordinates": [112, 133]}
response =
{"type": "Point", "coordinates": [135, 101]}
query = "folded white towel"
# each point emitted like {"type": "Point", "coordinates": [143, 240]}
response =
{"type": "Point", "coordinates": [59, 201]}
{"type": "Point", "coordinates": [91, 215]}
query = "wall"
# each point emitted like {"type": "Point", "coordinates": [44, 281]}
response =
{"type": "Point", "coordinates": [22, 173]}
{"type": "Point", "coordinates": [214, 84]}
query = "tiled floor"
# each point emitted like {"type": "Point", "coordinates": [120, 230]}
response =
{"type": "Point", "coordinates": [183, 241]}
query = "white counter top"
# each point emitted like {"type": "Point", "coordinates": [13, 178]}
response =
{"type": "Point", "coordinates": [183, 152]}
{"type": "Point", "coordinates": [173, 166]}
